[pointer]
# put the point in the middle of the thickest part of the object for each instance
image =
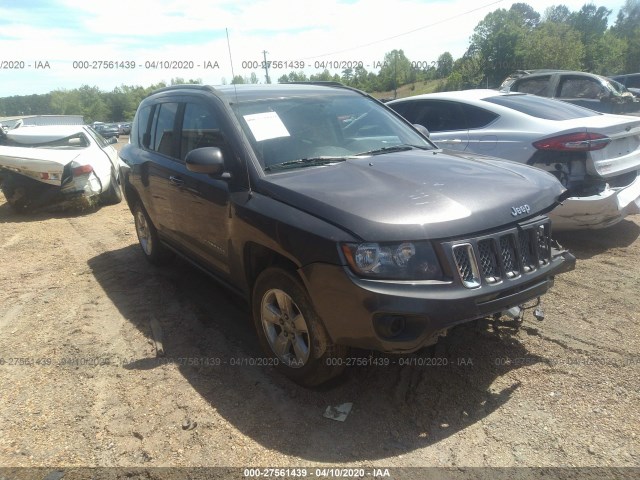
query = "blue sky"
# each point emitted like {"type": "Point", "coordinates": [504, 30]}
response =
{"type": "Point", "coordinates": [65, 35]}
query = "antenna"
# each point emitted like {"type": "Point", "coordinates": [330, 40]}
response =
{"type": "Point", "coordinates": [233, 75]}
{"type": "Point", "coordinates": [235, 90]}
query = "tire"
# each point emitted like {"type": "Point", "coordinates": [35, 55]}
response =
{"type": "Point", "coordinates": [17, 195]}
{"type": "Point", "coordinates": [153, 250]}
{"type": "Point", "coordinates": [291, 332]}
{"type": "Point", "coordinates": [113, 195]}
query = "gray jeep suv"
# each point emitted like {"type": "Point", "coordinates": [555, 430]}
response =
{"type": "Point", "coordinates": [338, 221]}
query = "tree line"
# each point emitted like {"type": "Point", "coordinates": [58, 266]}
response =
{"type": "Point", "coordinates": [506, 40]}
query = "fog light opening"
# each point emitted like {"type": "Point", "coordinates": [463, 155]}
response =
{"type": "Point", "coordinates": [391, 326]}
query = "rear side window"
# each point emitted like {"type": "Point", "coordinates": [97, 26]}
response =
{"type": "Point", "coordinates": [541, 107]}
{"type": "Point", "coordinates": [162, 140]}
{"type": "Point", "coordinates": [140, 127]}
{"type": "Point", "coordinates": [536, 86]}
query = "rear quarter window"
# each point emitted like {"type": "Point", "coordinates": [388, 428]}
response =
{"type": "Point", "coordinates": [541, 107]}
{"type": "Point", "coordinates": [478, 117]}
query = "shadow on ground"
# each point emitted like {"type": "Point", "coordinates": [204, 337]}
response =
{"type": "Point", "coordinates": [396, 408]}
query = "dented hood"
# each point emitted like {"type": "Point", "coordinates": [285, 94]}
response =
{"type": "Point", "coordinates": [417, 194]}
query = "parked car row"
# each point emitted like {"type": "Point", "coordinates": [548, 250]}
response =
{"type": "Point", "coordinates": [595, 156]}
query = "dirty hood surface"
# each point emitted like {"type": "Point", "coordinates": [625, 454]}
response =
{"type": "Point", "coordinates": [417, 194]}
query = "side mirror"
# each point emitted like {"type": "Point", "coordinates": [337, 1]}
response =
{"type": "Point", "coordinates": [422, 129]}
{"type": "Point", "coordinates": [208, 160]}
{"type": "Point", "coordinates": [112, 140]}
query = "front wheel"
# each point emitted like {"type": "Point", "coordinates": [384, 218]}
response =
{"type": "Point", "coordinates": [291, 332]}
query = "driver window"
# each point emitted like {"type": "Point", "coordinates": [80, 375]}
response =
{"type": "Point", "coordinates": [200, 128]}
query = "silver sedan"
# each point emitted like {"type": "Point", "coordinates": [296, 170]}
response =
{"type": "Point", "coordinates": [596, 156]}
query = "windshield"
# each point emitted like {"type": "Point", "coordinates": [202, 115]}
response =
{"type": "Point", "coordinates": [309, 130]}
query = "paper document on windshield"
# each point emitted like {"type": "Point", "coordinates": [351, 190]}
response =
{"type": "Point", "coordinates": [266, 126]}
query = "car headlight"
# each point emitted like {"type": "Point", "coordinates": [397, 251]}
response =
{"type": "Point", "coordinates": [393, 261]}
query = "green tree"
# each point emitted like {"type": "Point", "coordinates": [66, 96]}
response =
{"type": "Point", "coordinates": [627, 28]}
{"type": "Point", "coordinates": [496, 39]}
{"type": "Point", "coordinates": [610, 52]}
{"type": "Point", "coordinates": [395, 71]}
{"type": "Point", "coordinates": [591, 22]}
{"type": "Point", "coordinates": [325, 76]}
{"type": "Point", "coordinates": [444, 65]}
{"type": "Point", "coordinates": [554, 45]}
{"type": "Point", "coordinates": [557, 14]}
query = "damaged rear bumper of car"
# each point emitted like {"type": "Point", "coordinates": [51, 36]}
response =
{"type": "Point", "coordinates": [603, 210]}
{"type": "Point", "coordinates": [28, 195]}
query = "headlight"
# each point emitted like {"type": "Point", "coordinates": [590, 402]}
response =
{"type": "Point", "coordinates": [394, 261]}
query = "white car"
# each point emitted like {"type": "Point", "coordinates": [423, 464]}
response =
{"type": "Point", "coordinates": [44, 166]}
{"type": "Point", "coordinates": [596, 156]}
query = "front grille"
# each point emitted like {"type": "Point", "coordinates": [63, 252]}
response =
{"type": "Point", "coordinates": [503, 256]}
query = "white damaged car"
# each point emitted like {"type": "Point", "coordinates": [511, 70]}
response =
{"type": "Point", "coordinates": [596, 156]}
{"type": "Point", "coordinates": [56, 166]}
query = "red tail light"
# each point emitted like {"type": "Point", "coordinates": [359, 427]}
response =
{"type": "Point", "coordinates": [82, 170]}
{"type": "Point", "coordinates": [574, 142]}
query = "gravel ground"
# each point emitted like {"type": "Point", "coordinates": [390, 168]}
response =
{"type": "Point", "coordinates": [82, 384]}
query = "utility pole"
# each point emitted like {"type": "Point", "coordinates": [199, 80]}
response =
{"type": "Point", "coordinates": [266, 67]}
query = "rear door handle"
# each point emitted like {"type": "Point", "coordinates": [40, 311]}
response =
{"type": "Point", "coordinates": [176, 181]}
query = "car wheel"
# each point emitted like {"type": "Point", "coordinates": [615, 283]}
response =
{"type": "Point", "coordinates": [113, 195]}
{"type": "Point", "coordinates": [291, 332]}
{"type": "Point", "coordinates": [153, 250]}
{"type": "Point", "coordinates": [17, 196]}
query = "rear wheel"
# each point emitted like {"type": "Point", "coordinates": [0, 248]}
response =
{"type": "Point", "coordinates": [113, 195]}
{"type": "Point", "coordinates": [291, 332]}
{"type": "Point", "coordinates": [153, 250]}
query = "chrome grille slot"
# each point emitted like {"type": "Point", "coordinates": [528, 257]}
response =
{"type": "Point", "coordinates": [527, 255]}
{"type": "Point", "coordinates": [508, 255]}
{"type": "Point", "coordinates": [466, 265]}
{"type": "Point", "coordinates": [488, 261]}
{"type": "Point", "coordinates": [544, 244]}
{"type": "Point", "coordinates": [503, 256]}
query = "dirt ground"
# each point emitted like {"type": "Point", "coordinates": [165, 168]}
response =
{"type": "Point", "coordinates": [82, 385]}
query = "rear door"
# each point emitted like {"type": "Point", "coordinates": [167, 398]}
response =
{"type": "Point", "coordinates": [158, 164]}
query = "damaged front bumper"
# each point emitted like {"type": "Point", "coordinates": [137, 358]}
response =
{"type": "Point", "coordinates": [598, 211]}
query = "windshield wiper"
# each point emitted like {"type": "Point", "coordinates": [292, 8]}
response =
{"type": "Point", "coordinates": [304, 162]}
{"type": "Point", "coordinates": [393, 148]}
